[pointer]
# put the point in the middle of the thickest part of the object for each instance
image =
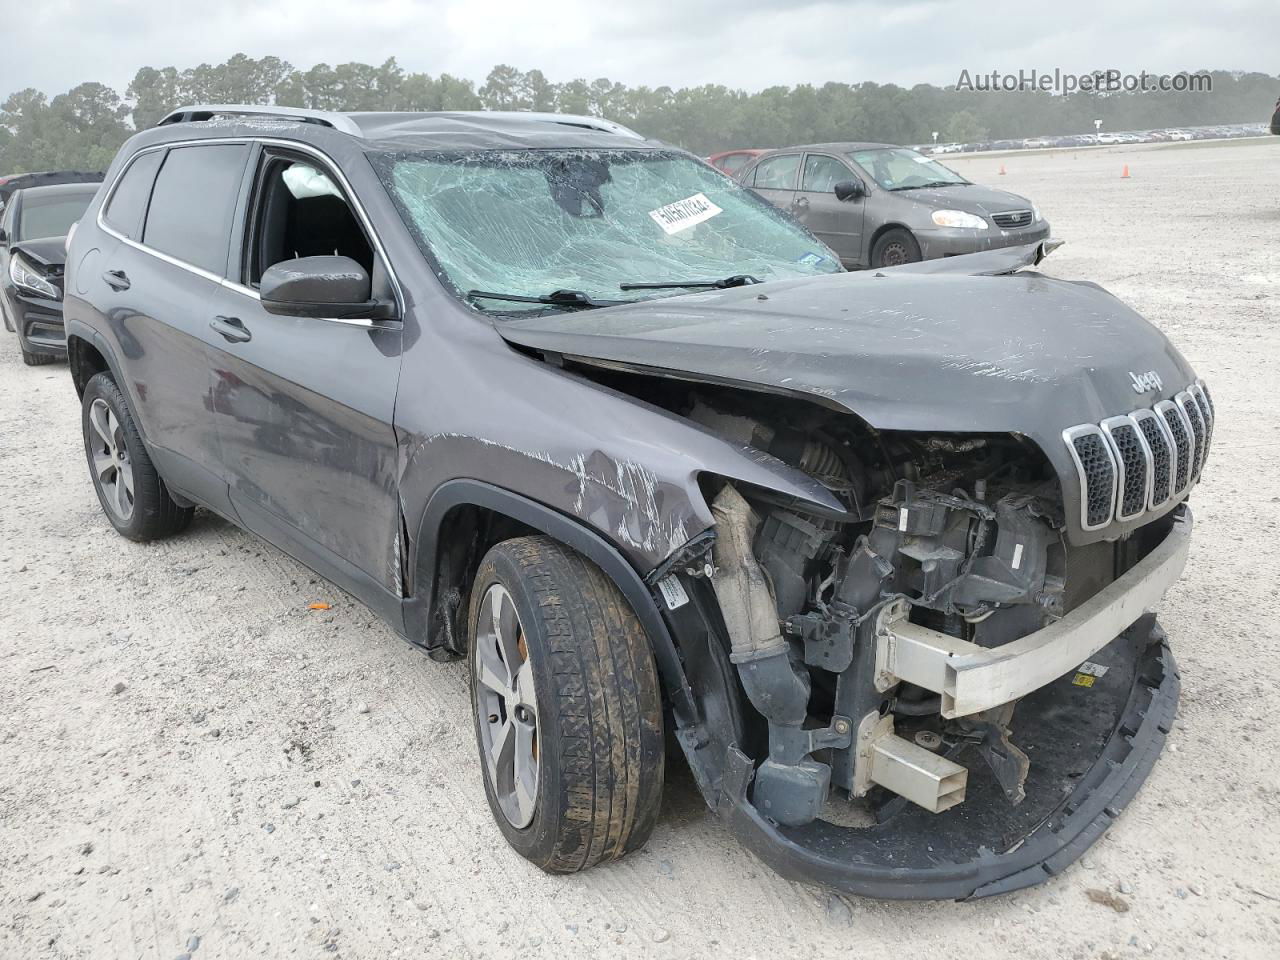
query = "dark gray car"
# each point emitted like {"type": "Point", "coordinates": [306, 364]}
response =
{"type": "Point", "coordinates": [877, 205]}
{"type": "Point", "coordinates": [876, 549]}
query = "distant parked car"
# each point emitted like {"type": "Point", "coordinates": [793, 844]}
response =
{"type": "Point", "coordinates": [732, 161]}
{"type": "Point", "coordinates": [877, 205]}
{"type": "Point", "coordinates": [33, 233]}
{"type": "Point", "coordinates": [11, 184]}
{"type": "Point", "coordinates": [1275, 120]}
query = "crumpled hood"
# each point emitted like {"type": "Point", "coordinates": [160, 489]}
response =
{"type": "Point", "coordinates": [45, 252]}
{"type": "Point", "coordinates": [907, 351]}
{"type": "Point", "coordinates": [1014, 353]}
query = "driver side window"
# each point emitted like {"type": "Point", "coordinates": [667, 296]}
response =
{"type": "Point", "coordinates": [822, 173]}
{"type": "Point", "coordinates": [299, 211]}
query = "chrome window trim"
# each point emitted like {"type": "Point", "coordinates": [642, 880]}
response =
{"type": "Point", "coordinates": [226, 282]}
{"type": "Point", "coordinates": [1108, 426]}
{"type": "Point", "coordinates": [1159, 408]}
{"type": "Point", "coordinates": [1139, 416]}
{"type": "Point", "coordinates": [1069, 435]}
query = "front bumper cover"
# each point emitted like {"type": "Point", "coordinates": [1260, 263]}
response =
{"type": "Point", "coordinates": [936, 242]}
{"type": "Point", "coordinates": [38, 322]}
{"type": "Point", "coordinates": [904, 859]}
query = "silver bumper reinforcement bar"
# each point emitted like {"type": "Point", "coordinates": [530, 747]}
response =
{"type": "Point", "coordinates": [971, 678]}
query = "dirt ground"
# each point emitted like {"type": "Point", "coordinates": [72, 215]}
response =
{"type": "Point", "coordinates": [272, 781]}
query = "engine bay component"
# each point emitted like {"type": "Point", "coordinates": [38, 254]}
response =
{"type": "Point", "coordinates": [895, 657]}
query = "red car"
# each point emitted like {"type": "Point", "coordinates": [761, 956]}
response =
{"type": "Point", "coordinates": [732, 161]}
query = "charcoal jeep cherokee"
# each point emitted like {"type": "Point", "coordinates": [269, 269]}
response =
{"type": "Point", "coordinates": [878, 550]}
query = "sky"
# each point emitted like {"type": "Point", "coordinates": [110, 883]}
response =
{"type": "Point", "coordinates": [53, 45]}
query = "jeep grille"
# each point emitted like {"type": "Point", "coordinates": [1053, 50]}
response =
{"type": "Point", "coordinates": [1136, 463]}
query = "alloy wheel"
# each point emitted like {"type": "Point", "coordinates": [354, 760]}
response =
{"type": "Point", "coordinates": [506, 706]}
{"type": "Point", "coordinates": [112, 470]}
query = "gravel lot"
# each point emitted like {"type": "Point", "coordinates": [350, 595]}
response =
{"type": "Point", "coordinates": [191, 760]}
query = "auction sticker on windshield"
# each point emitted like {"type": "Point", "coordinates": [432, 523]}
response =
{"type": "Point", "coordinates": [684, 214]}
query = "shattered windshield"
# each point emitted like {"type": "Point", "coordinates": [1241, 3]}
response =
{"type": "Point", "coordinates": [534, 223]}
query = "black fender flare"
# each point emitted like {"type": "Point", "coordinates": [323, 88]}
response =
{"type": "Point", "coordinates": [572, 533]}
{"type": "Point", "coordinates": [81, 330]}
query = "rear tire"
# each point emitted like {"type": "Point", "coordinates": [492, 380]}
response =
{"type": "Point", "coordinates": [585, 707]}
{"type": "Point", "coordinates": [895, 247]}
{"type": "Point", "coordinates": [132, 494]}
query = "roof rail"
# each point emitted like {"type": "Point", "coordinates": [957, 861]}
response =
{"type": "Point", "coordinates": [323, 118]}
{"type": "Point", "coordinates": [566, 119]}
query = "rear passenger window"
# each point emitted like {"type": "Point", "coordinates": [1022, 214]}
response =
{"type": "Point", "coordinates": [193, 203]}
{"type": "Point", "coordinates": [128, 203]}
{"type": "Point", "coordinates": [778, 173]}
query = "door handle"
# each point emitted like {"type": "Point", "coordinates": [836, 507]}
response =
{"type": "Point", "coordinates": [116, 279]}
{"type": "Point", "coordinates": [802, 203]}
{"type": "Point", "coordinates": [231, 329]}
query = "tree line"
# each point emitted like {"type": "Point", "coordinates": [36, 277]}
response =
{"type": "Point", "coordinates": [83, 127]}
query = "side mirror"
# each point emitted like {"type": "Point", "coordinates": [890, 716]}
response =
{"type": "Point", "coordinates": [849, 190]}
{"type": "Point", "coordinates": [322, 287]}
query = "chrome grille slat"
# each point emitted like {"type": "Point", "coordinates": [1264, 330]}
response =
{"type": "Point", "coordinates": [1175, 420]}
{"type": "Point", "coordinates": [1191, 410]}
{"type": "Point", "coordinates": [1133, 456]}
{"type": "Point", "coordinates": [1098, 472]}
{"type": "Point", "coordinates": [1201, 397]}
{"type": "Point", "coordinates": [1163, 456]}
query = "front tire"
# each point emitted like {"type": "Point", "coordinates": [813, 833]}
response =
{"type": "Point", "coordinates": [895, 247]}
{"type": "Point", "coordinates": [132, 494]}
{"type": "Point", "coordinates": [568, 713]}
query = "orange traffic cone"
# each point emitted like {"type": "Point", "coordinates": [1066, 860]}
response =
{"type": "Point", "coordinates": [1124, 174]}
{"type": "Point", "coordinates": [1002, 169]}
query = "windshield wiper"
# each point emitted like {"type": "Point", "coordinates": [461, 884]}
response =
{"type": "Point", "coordinates": [932, 183]}
{"type": "Point", "coordinates": [556, 298]}
{"type": "Point", "coordinates": [737, 280]}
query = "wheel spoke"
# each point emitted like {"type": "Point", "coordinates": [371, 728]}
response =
{"type": "Point", "coordinates": [103, 464]}
{"type": "Point", "coordinates": [507, 629]}
{"type": "Point", "coordinates": [523, 687]}
{"type": "Point", "coordinates": [490, 670]}
{"type": "Point", "coordinates": [126, 477]}
{"type": "Point", "coordinates": [525, 770]}
{"type": "Point", "coordinates": [501, 758]}
{"type": "Point", "coordinates": [98, 420]}
{"type": "Point", "coordinates": [122, 502]}
{"type": "Point", "coordinates": [113, 424]}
